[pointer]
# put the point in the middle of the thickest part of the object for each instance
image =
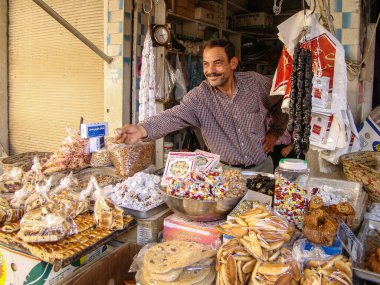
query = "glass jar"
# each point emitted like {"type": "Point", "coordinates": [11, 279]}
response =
{"type": "Point", "coordinates": [290, 195]}
{"type": "Point", "coordinates": [168, 147]}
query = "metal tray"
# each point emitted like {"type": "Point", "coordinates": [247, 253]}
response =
{"type": "Point", "coordinates": [369, 236]}
{"type": "Point", "coordinates": [145, 214]}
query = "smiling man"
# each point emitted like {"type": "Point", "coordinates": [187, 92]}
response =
{"type": "Point", "coordinates": [229, 107]}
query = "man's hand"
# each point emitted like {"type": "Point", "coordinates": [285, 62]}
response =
{"type": "Point", "coordinates": [286, 150]}
{"type": "Point", "coordinates": [269, 142]}
{"type": "Point", "coordinates": [130, 134]}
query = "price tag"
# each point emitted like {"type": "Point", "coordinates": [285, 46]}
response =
{"type": "Point", "coordinates": [350, 242]}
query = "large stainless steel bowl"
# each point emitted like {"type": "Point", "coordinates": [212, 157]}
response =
{"type": "Point", "coordinates": [198, 210]}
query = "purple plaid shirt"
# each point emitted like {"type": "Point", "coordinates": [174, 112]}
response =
{"type": "Point", "coordinates": [233, 127]}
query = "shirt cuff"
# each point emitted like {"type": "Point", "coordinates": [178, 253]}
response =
{"type": "Point", "coordinates": [149, 132]}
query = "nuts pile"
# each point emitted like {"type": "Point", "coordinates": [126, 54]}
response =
{"type": "Point", "coordinates": [236, 265]}
{"type": "Point", "coordinates": [337, 270]}
{"type": "Point", "coordinates": [130, 159]}
{"type": "Point", "coordinates": [101, 158]}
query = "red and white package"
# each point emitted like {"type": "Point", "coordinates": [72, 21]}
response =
{"type": "Point", "coordinates": [328, 62]}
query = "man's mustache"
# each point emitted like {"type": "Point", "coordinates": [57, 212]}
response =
{"type": "Point", "coordinates": [213, 74]}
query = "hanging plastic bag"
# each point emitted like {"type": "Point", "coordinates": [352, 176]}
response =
{"type": "Point", "coordinates": [107, 215]}
{"type": "Point", "coordinates": [130, 159]}
{"type": "Point", "coordinates": [73, 154]}
{"type": "Point", "coordinates": [329, 66]}
{"type": "Point", "coordinates": [166, 83]}
{"type": "Point", "coordinates": [180, 85]}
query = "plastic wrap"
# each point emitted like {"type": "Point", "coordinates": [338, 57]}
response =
{"type": "Point", "coordinates": [106, 214]}
{"type": "Point", "coordinates": [140, 192]}
{"type": "Point", "coordinates": [101, 158]}
{"type": "Point", "coordinates": [175, 262]}
{"type": "Point", "coordinates": [166, 83]}
{"type": "Point", "coordinates": [46, 224]}
{"type": "Point", "coordinates": [236, 265]}
{"type": "Point", "coordinates": [73, 154]}
{"type": "Point", "coordinates": [335, 270]}
{"type": "Point", "coordinates": [38, 196]}
{"type": "Point", "coordinates": [12, 181]}
{"type": "Point", "coordinates": [261, 232]}
{"type": "Point", "coordinates": [130, 159]}
{"type": "Point", "coordinates": [67, 200]}
{"type": "Point", "coordinates": [180, 84]}
{"type": "Point", "coordinates": [9, 214]}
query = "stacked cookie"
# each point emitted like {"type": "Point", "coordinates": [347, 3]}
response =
{"type": "Point", "coordinates": [178, 262]}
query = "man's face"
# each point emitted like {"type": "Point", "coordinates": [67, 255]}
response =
{"type": "Point", "coordinates": [216, 66]}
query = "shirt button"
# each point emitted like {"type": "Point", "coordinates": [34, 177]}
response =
{"type": "Point", "coordinates": [246, 156]}
{"type": "Point", "coordinates": [235, 116]}
{"type": "Point", "coordinates": [239, 130]}
{"type": "Point", "coordinates": [242, 144]}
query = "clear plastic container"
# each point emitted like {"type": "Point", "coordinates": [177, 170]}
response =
{"type": "Point", "coordinates": [290, 195]}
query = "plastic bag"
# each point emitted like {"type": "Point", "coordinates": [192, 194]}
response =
{"type": "Point", "coordinates": [140, 192]}
{"type": "Point", "coordinates": [8, 214]}
{"type": "Point", "coordinates": [46, 224]}
{"type": "Point", "coordinates": [73, 154]}
{"type": "Point", "coordinates": [130, 159]}
{"type": "Point", "coordinates": [106, 214]}
{"type": "Point", "coordinates": [101, 158]}
{"type": "Point", "coordinates": [12, 181]}
{"type": "Point", "coordinates": [38, 196]}
{"type": "Point", "coordinates": [67, 200]}
{"type": "Point", "coordinates": [261, 231]}
{"type": "Point", "coordinates": [324, 271]}
{"type": "Point", "coordinates": [175, 261]}
{"type": "Point", "coordinates": [35, 174]}
{"type": "Point", "coordinates": [166, 83]}
{"type": "Point", "coordinates": [180, 84]}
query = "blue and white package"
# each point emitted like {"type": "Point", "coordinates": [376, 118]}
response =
{"type": "Point", "coordinates": [96, 143]}
{"type": "Point", "coordinates": [94, 130]}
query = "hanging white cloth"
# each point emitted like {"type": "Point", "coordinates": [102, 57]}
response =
{"type": "Point", "coordinates": [147, 100]}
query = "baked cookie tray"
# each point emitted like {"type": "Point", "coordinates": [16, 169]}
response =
{"type": "Point", "coordinates": [369, 236]}
{"type": "Point", "coordinates": [68, 249]}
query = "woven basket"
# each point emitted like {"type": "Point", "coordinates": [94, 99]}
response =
{"type": "Point", "coordinates": [23, 160]}
{"type": "Point", "coordinates": [361, 167]}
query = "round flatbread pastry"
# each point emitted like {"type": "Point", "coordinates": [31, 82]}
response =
{"type": "Point", "coordinates": [166, 256]}
{"type": "Point", "coordinates": [187, 277]}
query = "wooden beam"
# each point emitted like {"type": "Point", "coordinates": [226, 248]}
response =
{"type": "Point", "coordinates": [73, 30]}
{"type": "Point", "coordinates": [4, 143]}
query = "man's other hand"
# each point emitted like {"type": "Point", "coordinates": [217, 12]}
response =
{"type": "Point", "coordinates": [269, 142]}
{"type": "Point", "coordinates": [130, 134]}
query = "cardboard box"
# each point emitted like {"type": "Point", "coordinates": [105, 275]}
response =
{"type": "Point", "coordinates": [112, 268]}
{"type": "Point", "coordinates": [260, 19]}
{"type": "Point", "coordinates": [93, 130]}
{"type": "Point", "coordinates": [193, 29]}
{"type": "Point", "coordinates": [96, 143]}
{"type": "Point", "coordinates": [21, 268]}
{"type": "Point", "coordinates": [186, 4]}
{"type": "Point", "coordinates": [206, 15]}
{"type": "Point", "coordinates": [184, 12]}
{"type": "Point", "coordinates": [178, 228]}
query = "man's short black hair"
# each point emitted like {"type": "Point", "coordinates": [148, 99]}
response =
{"type": "Point", "coordinates": [227, 45]}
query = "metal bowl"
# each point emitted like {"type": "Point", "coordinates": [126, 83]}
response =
{"type": "Point", "coordinates": [201, 211]}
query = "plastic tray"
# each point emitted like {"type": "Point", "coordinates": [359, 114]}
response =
{"type": "Point", "coordinates": [369, 236]}
{"type": "Point", "coordinates": [357, 197]}
{"type": "Point", "coordinates": [145, 214]}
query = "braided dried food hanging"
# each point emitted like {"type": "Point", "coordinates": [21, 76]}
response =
{"type": "Point", "coordinates": [300, 99]}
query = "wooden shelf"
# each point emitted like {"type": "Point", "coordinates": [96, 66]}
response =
{"type": "Point", "coordinates": [236, 8]}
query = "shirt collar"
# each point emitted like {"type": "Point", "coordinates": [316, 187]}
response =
{"type": "Point", "coordinates": [216, 90]}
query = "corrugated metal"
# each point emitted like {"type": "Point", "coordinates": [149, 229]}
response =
{"type": "Point", "coordinates": [54, 79]}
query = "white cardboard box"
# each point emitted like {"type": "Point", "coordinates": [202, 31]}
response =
{"type": "Point", "coordinates": [369, 134]}
{"type": "Point", "coordinates": [18, 268]}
